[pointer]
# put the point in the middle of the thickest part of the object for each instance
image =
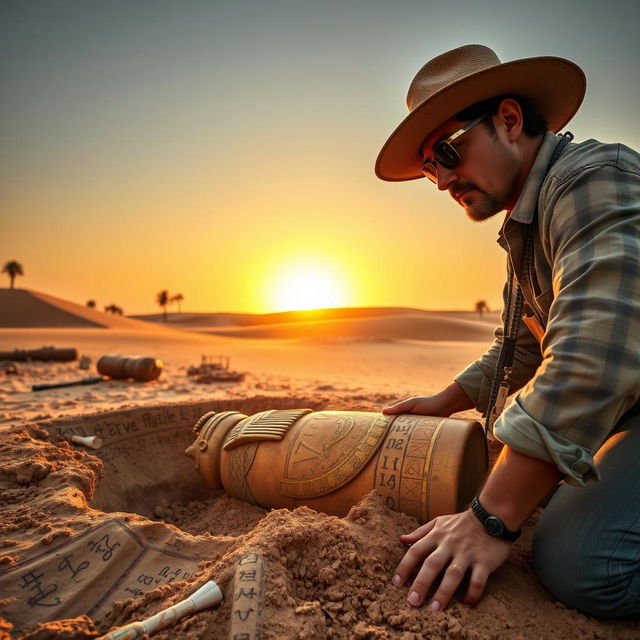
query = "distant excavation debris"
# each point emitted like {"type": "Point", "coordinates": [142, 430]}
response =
{"type": "Point", "coordinates": [70, 383]}
{"type": "Point", "coordinates": [9, 368]}
{"type": "Point", "coordinates": [45, 354]}
{"type": "Point", "coordinates": [122, 367]}
{"type": "Point", "coordinates": [214, 369]}
{"type": "Point", "coordinates": [116, 367]}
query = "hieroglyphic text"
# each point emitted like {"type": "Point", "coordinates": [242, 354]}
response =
{"type": "Point", "coordinates": [32, 581]}
{"type": "Point", "coordinates": [400, 464]}
{"type": "Point", "coordinates": [103, 547]}
{"type": "Point", "coordinates": [108, 562]}
{"type": "Point", "coordinates": [67, 563]}
{"type": "Point", "coordinates": [246, 615]}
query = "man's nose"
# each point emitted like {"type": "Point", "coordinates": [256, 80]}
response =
{"type": "Point", "coordinates": [445, 177]}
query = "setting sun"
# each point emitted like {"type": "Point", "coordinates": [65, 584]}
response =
{"type": "Point", "coordinates": [307, 286]}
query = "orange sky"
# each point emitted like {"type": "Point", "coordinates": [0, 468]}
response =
{"type": "Point", "coordinates": [226, 152]}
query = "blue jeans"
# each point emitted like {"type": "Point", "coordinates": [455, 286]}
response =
{"type": "Point", "coordinates": [586, 547]}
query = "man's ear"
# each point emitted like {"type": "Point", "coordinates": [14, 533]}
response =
{"type": "Point", "coordinates": [510, 117]}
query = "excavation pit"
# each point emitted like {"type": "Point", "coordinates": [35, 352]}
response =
{"type": "Point", "coordinates": [138, 490]}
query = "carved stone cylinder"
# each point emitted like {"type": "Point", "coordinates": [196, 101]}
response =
{"type": "Point", "coordinates": [122, 367]}
{"type": "Point", "coordinates": [327, 460]}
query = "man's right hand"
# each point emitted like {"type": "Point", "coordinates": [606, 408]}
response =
{"type": "Point", "coordinates": [444, 403]}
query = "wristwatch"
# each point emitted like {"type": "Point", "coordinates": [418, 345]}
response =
{"type": "Point", "coordinates": [492, 524]}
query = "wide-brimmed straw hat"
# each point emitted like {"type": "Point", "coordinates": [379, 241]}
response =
{"type": "Point", "coordinates": [459, 78]}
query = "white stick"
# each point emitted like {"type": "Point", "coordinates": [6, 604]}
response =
{"type": "Point", "coordinates": [207, 595]}
{"type": "Point", "coordinates": [88, 441]}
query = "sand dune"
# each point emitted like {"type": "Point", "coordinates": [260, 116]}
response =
{"type": "Point", "coordinates": [23, 308]}
{"type": "Point", "coordinates": [415, 327]}
{"type": "Point", "coordinates": [209, 320]}
{"type": "Point", "coordinates": [366, 323]}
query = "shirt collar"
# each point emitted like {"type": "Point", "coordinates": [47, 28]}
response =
{"type": "Point", "coordinates": [527, 203]}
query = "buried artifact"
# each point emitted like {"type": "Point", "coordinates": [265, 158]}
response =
{"type": "Point", "coordinates": [423, 466]}
{"type": "Point", "coordinates": [123, 367]}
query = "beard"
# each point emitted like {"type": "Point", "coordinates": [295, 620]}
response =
{"type": "Point", "coordinates": [478, 205]}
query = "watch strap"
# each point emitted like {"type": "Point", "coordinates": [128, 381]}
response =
{"type": "Point", "coordinates": [493, 525]}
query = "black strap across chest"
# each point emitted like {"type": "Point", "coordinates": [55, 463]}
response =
{"type": "Point", "coordinates": [513, 309]}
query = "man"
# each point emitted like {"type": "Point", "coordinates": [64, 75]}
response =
{"type": "Point", "coordinates": [570, 348]}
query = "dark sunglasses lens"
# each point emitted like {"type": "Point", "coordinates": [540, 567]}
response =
{"type": "Point", "coordinates": [446, 155]}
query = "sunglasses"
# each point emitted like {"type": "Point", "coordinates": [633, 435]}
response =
{"type": "Point", "coordinates": [445, 154]}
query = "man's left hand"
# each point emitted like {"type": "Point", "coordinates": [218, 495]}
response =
{"type": "Point", "coordinates": [454, 545]}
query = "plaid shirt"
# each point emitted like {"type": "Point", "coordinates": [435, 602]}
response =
{"type": "Point", "coordinates": [584, 287]}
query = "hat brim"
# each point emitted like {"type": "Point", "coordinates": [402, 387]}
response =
{"type": "Point", "coordinates": [555, 86]}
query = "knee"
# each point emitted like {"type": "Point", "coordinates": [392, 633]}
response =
{"type": "Point", "coordinates": [575, 570]}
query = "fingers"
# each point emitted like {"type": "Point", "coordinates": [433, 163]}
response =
{"type": "Point", "coordinates": [416, 553]}
{"type": "Point", "coordinates": [416, 534]}
{"type": "Point", "coordinates": [450, 582]}
{"type": "Point", "coordinates": [452, 576]}
{"type": "Point", "coordinates": [477, 584]}
{"type": "Point", "coordinates": [404, 406]}
{"type": "Point", "coordinates": [431, 568]}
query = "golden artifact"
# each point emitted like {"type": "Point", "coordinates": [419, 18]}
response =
{"type": "Point", "coordinates": [140, 369]}
{"type": "Point", "coordinates": [327, 460]}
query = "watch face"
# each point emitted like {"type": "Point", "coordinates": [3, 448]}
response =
{"type": "Point", "coordinates": [493, 526]}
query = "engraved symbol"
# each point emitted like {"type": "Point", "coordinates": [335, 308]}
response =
{"type": "Point", "coordinates": [417, 448]}
{"type": "Point", "coordinates": [32, 581]}
{"type": "Point", "coordinates": [343, 427]}
{"type": "Point", "coordinates": [243, 615]}
{"type": "Point", "coordinates": [412, 468]}
{"type": "Point", "coordinates": [411, 489]}
{"type": "Point", "coordinates": [65, 563]}
{"type": "Point", "coordinates": [97, 547]}
{"type": "Point", "coordinates": [388, 481]}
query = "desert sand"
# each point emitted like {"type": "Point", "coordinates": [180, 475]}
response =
{"type": "Point", "coordinates": [94, 539]}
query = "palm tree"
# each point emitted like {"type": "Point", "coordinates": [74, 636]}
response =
{"type": "Point", "coordinates": [13, 268]}
{"type": "Point", "coordinates": [163, 298]}
{"type": "Point", "coordinates": [178, 298]}
{"type": "Point", "coordinates": [481, 307]}
{"type": "Point", "coordinates": [91, 304]}
{"type": "Point", "coordinates": [115, 309]}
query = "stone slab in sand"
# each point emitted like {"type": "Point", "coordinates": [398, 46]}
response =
{"type": "Point", "coordinates": [96, 539]}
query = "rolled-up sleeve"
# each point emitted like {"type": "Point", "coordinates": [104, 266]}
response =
{"type": "Point", "coordinates": [589, 375]}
